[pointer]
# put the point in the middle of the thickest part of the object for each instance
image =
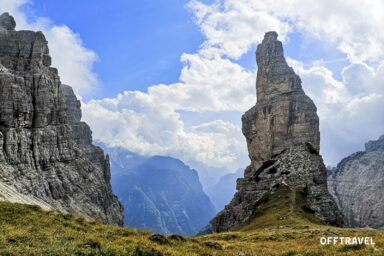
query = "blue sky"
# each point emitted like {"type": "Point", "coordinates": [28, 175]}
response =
{"type": "Point", "coordinates": [139, 43]}
{"type": "Point", "coordinates": [174, 77]}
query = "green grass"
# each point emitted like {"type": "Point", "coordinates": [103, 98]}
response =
{"type": "Point", "coordinates": [280, 227]}
{"type": "Point", "coordinates": [286, 207]}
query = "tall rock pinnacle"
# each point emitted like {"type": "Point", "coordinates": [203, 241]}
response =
{"type": "Point", "coordinates": [274, 76]}
{"type": "Point", "coordinates": [283, 115]}
{"type": "Point", "coordinates": [283, 139]}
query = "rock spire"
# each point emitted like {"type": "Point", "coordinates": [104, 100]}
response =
{"type": "Point", "coordinates": [283, 139]}
{"type": "Point", "coordinates": [283, 115]}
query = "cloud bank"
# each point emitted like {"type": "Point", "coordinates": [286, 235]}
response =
{"type": "Point", "coordinates": [350, 109]}
{"type": "Point", "coordinates": [150, 124]}
{"type": "Point", "coordinates": [233, 26]}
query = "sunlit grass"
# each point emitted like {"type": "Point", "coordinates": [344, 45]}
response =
{"type": "Point", "coordinates": [282, 227]}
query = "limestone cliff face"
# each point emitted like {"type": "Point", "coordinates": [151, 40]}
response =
{"type": "Point", "coordinates": [282, 133]}
{"type": "Point", "coordinates": [82, 133]}
{"type": "Point", "coordinates": [40, 157]}
{"type": "Point", "coordinates": [357, 184]}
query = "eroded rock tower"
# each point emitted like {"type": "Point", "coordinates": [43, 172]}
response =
{"type": "Point", "coordinates": [283, 139]}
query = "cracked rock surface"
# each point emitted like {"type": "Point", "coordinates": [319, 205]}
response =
{"type": "Point", "coordinates": [357, 184]}
{"type": "Point", "coordinates": [46, 152]}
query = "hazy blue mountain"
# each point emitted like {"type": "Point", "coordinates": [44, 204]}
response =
{"type": "Point", "coordinates": [208, 175]}
{"type": "Point", "coordinates": [222, 192]}
{"type": "Point", "coordinates": [159, 193]}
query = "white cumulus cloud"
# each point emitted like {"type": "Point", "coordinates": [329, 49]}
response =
{"type": "Point", "coordinates": [350, 110]}
{"type": "Point", "coordinates": [208, 84]}
{"type": "Point", "coordinates": [143, 124]}
{"type": "Point", "coordinates": [150, 123]}
{"type": "Point", "coordinates": [233, 26]}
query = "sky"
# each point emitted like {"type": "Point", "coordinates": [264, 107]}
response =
{"type": "Point", "coordinates": [173, 77]}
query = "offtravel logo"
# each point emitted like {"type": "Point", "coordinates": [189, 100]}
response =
{"type": "Point", "coordinates": [347, 240]}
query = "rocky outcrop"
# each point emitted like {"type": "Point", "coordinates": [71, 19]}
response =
{"type": "Point", "coordinates": [282, 133]}
{"type": "Point", "coordinates": [357, 184]}
{"type": "Point", "coordinates": [41, 157]}
{"type": "Point", "coordinates": [7, 22]}
{"type": "Point", "coordinates": [375, 145]}
{"type": "Point", "coordinates": [298, 166]}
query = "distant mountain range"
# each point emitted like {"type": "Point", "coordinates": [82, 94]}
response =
{"type": "Point", "coordinates": [159, 193]}
{"type": "Point", "coordinates": [222, 192]}
{"type": "Point", "coordinates": [208, 175]}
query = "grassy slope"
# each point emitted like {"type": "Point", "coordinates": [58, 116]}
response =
{"type": "Point", "coordinates": [281, 227]}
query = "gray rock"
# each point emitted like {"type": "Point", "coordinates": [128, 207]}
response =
{"type": "Point", "coordinates": [357, 184]}
{"type": "Point", "coordinates": [158, 238]}
{"type": "Point", "coordinates": [41, 155]}
{"type": "Point", "coordinates": [283, 115]}
{"type": "Point", "coordinates": [7, 22]}
{"type": "Point", "coordinates": [213, 245]}
{"type": "Point", "coordinates": [375, 145]}
{"type": "Point", "coordinates": [297, 166]}
{"type": "Point", "coordinates": [177, 237]}
{"type": "Point", "coordinates": [282, 133]}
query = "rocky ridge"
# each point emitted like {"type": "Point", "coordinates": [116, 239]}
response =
{"type": "Point", "coordinates": [357, 184]}
{"type": "Point", "coordinates": [41, 157]}
{"type": "Point", "coordinates": [282, 133]}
